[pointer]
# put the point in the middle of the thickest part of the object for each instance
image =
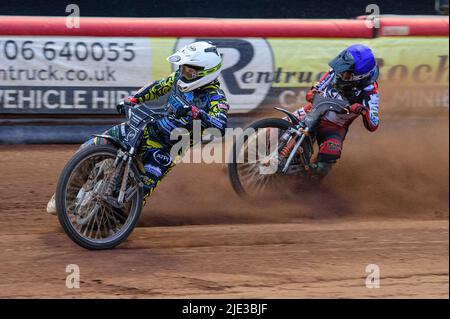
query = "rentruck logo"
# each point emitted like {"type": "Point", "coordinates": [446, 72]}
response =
{"type": "Point", "coordinates": [418, 73]}
{"type": "Point", "coordinates": [432, 73]}
{"type": "Point", "coordinates": [245, 63]}
{"type": "Point", "coordinates": [436, 72]}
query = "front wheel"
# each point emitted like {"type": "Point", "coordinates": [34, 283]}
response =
{"type": "Point", "coordinates": [253, 169]}
{"type": "Point", "coordinates": [84, 214]}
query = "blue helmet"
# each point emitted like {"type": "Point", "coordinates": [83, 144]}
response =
{"type": "Point", "coordinates": [355, 68]}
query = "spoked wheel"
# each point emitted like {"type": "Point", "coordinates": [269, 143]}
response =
{"type": "Point", "coordinates": [254, 167]}
{"type": "Point", "coordinates": [84, 195]}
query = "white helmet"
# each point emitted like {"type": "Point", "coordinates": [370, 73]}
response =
{"type": "Point", "coordinates": [201, 56]}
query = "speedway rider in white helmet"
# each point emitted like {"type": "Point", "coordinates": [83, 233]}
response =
{"type": "Point", "coordinates": [194, 93]}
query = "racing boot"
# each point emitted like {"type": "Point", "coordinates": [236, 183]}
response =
{"type": "Point", "coordinates": [319, 170]}
{"type": "Point", "coordinates": [51, 206]}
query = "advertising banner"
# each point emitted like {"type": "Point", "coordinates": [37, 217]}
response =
{"type": "Point", "coordinates": [414, 71]}
{"type": "Point", "coordinates": [70, 74]}
{"type": "Point", "coordinates": [89, 75]}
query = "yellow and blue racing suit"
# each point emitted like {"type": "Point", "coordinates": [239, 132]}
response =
{"type": "Point", "coordinates": [212, 108]}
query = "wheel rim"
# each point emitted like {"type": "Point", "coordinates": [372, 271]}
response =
{"type": "Point", "coordinates": [89, 216]}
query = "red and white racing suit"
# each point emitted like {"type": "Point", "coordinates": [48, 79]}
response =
{"type": "Point", "coordinates": [333, 127]}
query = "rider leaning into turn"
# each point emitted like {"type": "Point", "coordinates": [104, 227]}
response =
{"type": "Point", "coordinates": [194, 94]}
{"type": "Point", "coordinates": [352, 77]}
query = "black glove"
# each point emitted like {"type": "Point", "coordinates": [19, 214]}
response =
{"type": "Point", "coordinates": [180, 107]}
{"type": "Point", "coordinates": [123, 105]}
{"type": "Point", "coordinates": [183, 111]}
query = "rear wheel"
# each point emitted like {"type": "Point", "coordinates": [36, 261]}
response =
{"type": "Point", "coordinates": [83, 211]}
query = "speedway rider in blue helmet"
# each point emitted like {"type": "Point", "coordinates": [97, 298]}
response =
{"type": "Point", "coordinates": [353, 77]}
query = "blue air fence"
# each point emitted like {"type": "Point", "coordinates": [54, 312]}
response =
{"type": "Point", "coordinates": [64, 131]}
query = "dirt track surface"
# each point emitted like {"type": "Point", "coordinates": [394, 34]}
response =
{"type": "Point", "coordinates": [385, 203]}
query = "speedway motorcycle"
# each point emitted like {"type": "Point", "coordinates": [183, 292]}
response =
{"type": "Point", "coordinates": [287, 150]}
{"type": "Point", "coordinates": [99, 195]}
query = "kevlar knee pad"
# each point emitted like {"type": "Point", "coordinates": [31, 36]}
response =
{"type": "Point", "coordinates": [330, 150]}
{"type": "Point", "coordinates": [157, 164]}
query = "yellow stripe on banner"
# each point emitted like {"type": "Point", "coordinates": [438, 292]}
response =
{"type": "Point", "coordinates": [404, 61]}
{"type": "Point", "coordinates": [301, 62]}
{"type": "Point", "coordinates": [161, 49]}
{"type": "Point", "coordinates": [413, 61]}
